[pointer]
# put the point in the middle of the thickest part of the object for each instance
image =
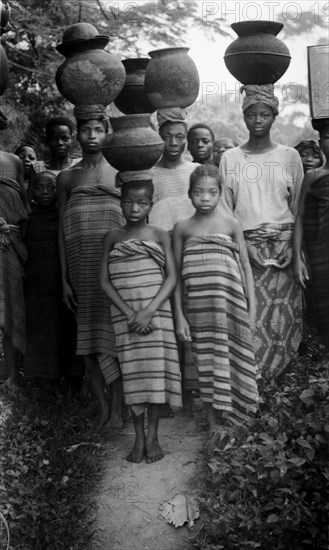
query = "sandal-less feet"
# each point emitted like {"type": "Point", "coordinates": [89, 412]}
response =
{"type": "Point", "coordinates": [153, 452]}
{"type": "Point", "coordinates": [136, 454]}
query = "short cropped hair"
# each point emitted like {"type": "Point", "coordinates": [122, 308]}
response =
{"type": "Point", "coordinates": [203, 171]}
{"type": "Point", "coordinates": [20, 147]}
{"type": "Point", "coordinates": [59, 121]}
{"type": "Point", "coordinates": [137, 185]}
{"type": "Point", "coordinates": [203, 126]}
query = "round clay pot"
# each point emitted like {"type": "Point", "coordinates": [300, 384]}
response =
{"type": "Point", "coordinates": [134, 145]}
{"type": "Point", "coordinates": [89, 75]}
{"type": "Point", "coordinates": [171, 79]}
{"type": "Point", "coordinates": [4, 70]}
{"type": "Point", "coordinates": [4, 15]}
{"type": "Point", "coordinates": [133, 99]}
{"type": "Point", "coordinates": [257, 56]}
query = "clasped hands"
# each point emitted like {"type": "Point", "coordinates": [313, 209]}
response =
{"type": "Point", "coordinates": [140, 321]}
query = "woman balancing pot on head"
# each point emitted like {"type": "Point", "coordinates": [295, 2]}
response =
{"type": "Point", "coordinates": [261, 181]}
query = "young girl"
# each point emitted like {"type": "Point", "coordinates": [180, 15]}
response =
{"type": "Point", "coordinates": [27, 155]}
{"type": "Point", "coordinates": [218, 315]}
{"type": "Point", "coordinates": [310, 154]}
{"type": "Point", "coordinates": [138, 275]}
{"type": "Point", "coordinates": [311, 235]}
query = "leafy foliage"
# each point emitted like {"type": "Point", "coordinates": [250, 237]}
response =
{"type": "Point", "coordinates": [268, 486]}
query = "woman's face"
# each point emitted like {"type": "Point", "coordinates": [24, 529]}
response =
{"type": "Point", "coordinates": [259, 119]}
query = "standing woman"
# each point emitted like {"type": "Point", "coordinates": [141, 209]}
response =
{"type": "Point", "coordinates": [261, 181]}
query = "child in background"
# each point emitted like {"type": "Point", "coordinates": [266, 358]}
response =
{"type": "Point", "coordinates": [219, 313]}
{"type": "Point", "coordinates": [50, 325]}
{"type": "Point", "coordinates": [200, 140]}
{"type": "Point", "coordinates": [220, 146]}
{"type": "Point", "coordinates": [310, 153]}
{"type": "Point", "coordinates": [311, 237]}
{"type": "Point", "coordinates": [138, 276]}
{"type": "Point", "coordinates": [27, 155]}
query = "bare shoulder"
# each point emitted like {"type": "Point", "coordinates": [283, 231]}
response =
{"type": "Point", "coordinates": [159, 235]}
{"type": "Point", "coordinates": [180, 228]}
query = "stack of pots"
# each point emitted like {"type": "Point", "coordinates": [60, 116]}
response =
{"type": "Point", "coordinates": [257, 56]}
{"type": "Point", "coordinates": [169, 79]}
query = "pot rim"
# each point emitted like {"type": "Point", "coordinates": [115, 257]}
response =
{"type": "Point", "coordinates": [247, 28]}
{"type": "Point", "coordinates": [97, 42]}
{"type": "Point", "coordinates": [158, 53]}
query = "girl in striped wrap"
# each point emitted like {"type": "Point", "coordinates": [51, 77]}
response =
{"type": "Point", "coordinates": [138, 275]}
{"type": "Point", "coordinates": [220, 309]}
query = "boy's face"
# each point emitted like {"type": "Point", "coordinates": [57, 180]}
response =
{"type": "Point", "coordinates": [91, 136]}
{"type": "Point", "coordinates": [44, 189]}
{"type": "Point", "coordinates": [205, 194]}
{"type": "Point", "coordinates": [311, 159]}
{"type": "Point", "coordinates": [27, 156]}
{"type": "Point", "coordinates": [175, 136]}
{"type": "Point", "coordinates": [324, 142]}
{"type": "Point", "coordinates": [59, 141]}
{"type": "Point", "coordinates": [200, 144]}
{"type": "Point", "coordinates": [136, 205]}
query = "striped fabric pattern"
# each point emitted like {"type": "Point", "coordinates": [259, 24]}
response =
{"type": "Point", "coordinates": [149, 363]}
{"type": "Point", "coordinates": [316, 239]}
{"type": "Point", "coordinates": [218, 317]}
{"type": "Point", "coordinates": [12, 257]}
{"type": "Point", "coordinates": [90, 213]}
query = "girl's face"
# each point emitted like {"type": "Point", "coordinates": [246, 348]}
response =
{"type": "Point", "coordinates": [259, 119]}
{"type": "Point", "coordinates": [205, 194]}
{"type": "Point", "coordinates": [136, 205]}
{"type": "Point", "coordinates": [27, 156]}
{"type": "Point", "coordinates": [175, 136]}
{"type": "Point", "coordinates": [220, 146]}
{"type": "Point", "coordinates": [59, 141]}
{"type": "Point", "coordinates": [310, 159]}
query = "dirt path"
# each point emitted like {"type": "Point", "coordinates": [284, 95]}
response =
{"type": "Point", "coordinates": [128, 515]}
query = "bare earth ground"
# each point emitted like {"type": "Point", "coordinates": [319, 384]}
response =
{"type": "Point", "coordinates": [128, 516]}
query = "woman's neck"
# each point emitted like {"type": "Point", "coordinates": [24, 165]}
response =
{"type": "Point", "coordinates": [167, 163]}
{"type": "Point", "coordinates": [59, 164]}
{"type": "Point", "coordinates": [259, 144]}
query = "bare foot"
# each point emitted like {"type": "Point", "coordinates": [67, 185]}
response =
{"type": "Point", "coordinates": [166, 411]}
{"type": "Point", "coordinates": [136, 454]}
{"type": "Point", "coordinates": [153, 452]}
{"type": "Point", "coordinates": [115, 422]}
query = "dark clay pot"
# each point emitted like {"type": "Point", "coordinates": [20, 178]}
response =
{"type": "Point", "coordinates": [4, 70]}
{"type": "Point", "coordinates": [132, 99]}
{"type": "Point", "coordinates": [134, 145]}
{"type": "Point", "coordinates": [4, 16]}
{"type": "Point", "coordinates": [89, 75]}
{"type": "Point", "coordinates": [171, 79]}
{"type": "Point", "coordinates": [257, 56]}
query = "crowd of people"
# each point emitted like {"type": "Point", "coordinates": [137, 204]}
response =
{"type": "Point", "coordinates": [186, 277]}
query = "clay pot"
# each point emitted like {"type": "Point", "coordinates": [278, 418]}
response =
{"type": "Point", "coordinates": [171, 79]}
{"type": "Point", "coordinates": [134, 145]}
{"type": "Point", "coordinates": [4, 70]}
{"type": "Point", "coordinates": [133, 99]}
{"type": "Point", "coordinates": [89, 75]}
{"type": "Point", "coordinates": [257, 56]}
{"type": "Point", "coordinates": [4, 16]}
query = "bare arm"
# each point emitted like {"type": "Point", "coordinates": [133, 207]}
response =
{"type": "Point", "coordinates": [20, 180]}
{"type": "Point", "coordinates": [182, 326]}
{"type": "Point", "coordinates": [300, 270]}
{"type": "Point", "coordinates": [63, 181]}
{"type": "Point", "coordinates": [107, 287]}
{"type": "Point", "coordinates": [249, 280]}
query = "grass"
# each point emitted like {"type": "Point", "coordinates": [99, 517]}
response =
{"type": "Point", "coordinates": [51, 464]}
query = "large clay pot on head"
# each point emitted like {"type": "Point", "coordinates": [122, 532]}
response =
{"type": "Point", "coordinates": [171, 79]}
{"type": "Point", "coordinates": [4, 70]}
{"type": "Point", "coordinates": [133, 99]}
{"type": "Point", "coordinates": [89, 75]}
{"type": "Point", "coordinates": [134, 145]}
{"type": "Point", "coordinates": [4, 16]}
{"type": "Point", "coordinates": [257, 56]}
